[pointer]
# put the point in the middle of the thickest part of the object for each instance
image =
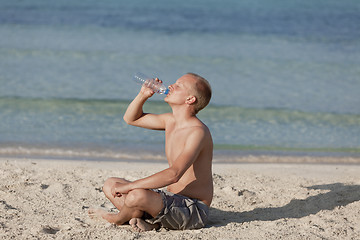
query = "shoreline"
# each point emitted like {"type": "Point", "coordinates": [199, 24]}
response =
{"type": "Point", "coordinates": [229, 159]}
{"type": "Point", "coordinates": [155, 152]}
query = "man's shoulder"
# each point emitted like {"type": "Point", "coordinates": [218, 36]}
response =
{"type": "Point", "coordinates": [200, 126]}
{"type": "Point", "coordinates": [199, 131]}
{"type": "Point", "coordinates": [167, 116]}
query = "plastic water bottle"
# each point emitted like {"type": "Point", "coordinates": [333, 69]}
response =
{"type": "Point", "coordinates": [157, 87]}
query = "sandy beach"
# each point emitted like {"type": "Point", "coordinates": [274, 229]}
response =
{"type": "Point", "coordinates": [49, 199]}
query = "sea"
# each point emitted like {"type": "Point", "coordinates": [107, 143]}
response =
{"type": "Point", "coordinates": [285, 75]}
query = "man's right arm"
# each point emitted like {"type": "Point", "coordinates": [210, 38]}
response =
{"type": "Point", "coordinates": [135, 116]}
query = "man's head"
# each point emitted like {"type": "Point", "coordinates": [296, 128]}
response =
{"type": "Point", "coordinates": [195, 89]}
{"type": "Point", "coordinates": [201, 91]}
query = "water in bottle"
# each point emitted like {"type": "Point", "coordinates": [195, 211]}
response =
{"type": "Point", "coordinates": [156, 86]}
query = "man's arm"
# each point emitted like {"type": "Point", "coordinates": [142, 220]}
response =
{"type": "Point", "coordinates": [135, 116]}
{"type": "Point", "coordinates": [192, 149]}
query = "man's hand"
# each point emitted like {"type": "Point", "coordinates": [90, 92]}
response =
{"type": "Point", "coordinates": [119, 189]}
{"type": "Point", "coordinates": [146, 90]}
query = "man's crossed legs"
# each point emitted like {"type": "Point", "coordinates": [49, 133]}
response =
{"type": "Point", "coordinates": [131, 206]}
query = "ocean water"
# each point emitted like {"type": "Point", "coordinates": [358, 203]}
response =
{"type": "Point", "coordinates": [285, 74]}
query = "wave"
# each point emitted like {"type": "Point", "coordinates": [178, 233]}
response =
{"type": "Point", "coordinates": [280, 116]}
{"type": "Point", "coordinates": [222, 153]}
{"type": "Point", "coordinates": [285, 149]}
{"type": "Point", "coordinates": [68, 122]}
{"type": "Point", "coordinates": [56, 152]}
{"type": "Point", "coordinates": [212, 113]}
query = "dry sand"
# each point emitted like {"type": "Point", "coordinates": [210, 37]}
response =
{"type": "Point", "coordinates": [47, 199]}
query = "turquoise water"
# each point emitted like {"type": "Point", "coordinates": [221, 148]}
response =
{"type": "Point", "coordinates": [285, 75]}
{"type": "Point", "coordinates": [80, 125]}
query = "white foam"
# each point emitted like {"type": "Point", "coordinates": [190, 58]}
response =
{"type": "Point", "coordinates": [78, 153]}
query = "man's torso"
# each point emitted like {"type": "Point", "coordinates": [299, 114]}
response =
{"type": "Point", "coordinates": [197, 180]}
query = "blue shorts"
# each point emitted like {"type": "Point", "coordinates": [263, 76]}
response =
{"type": "Point", "coordinates": [180, 212]}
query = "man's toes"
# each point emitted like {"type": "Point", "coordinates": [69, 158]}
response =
{"type": "Point", "coordinates": [133, 221]}
{"type": "Point", "coordinates": [134, 224]}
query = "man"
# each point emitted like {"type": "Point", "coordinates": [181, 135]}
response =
{"type": "Point", "coordinates": [189, 149]}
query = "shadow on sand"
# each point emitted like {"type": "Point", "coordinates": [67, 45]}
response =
{"type": "Point", "coordinates": [339, 195]}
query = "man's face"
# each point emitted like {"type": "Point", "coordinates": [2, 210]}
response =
{"type": "Point", "coordinates": [180, 90]}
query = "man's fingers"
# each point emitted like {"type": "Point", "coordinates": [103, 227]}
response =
{"type": "Point", "coordinates": [117, 194]}
{"type": "Point", "coordinates": [158, 80]}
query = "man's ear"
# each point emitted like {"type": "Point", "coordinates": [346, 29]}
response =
{"type": "Point", "coordinates": [190, 100]}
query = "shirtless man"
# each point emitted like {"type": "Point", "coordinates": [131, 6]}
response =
{"type": "Point", "coordinates": [189, 148]}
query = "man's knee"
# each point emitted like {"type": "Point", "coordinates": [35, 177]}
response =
{"type": "Point", "coordinates": [136, 198]}
{"type": "Point", "coordinates": [108, 184]}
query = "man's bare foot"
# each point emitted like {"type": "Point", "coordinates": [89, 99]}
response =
{"type": "Point", "coordinates": [97, 213]}
{"type": "Point", "coordinates": [140, 225]}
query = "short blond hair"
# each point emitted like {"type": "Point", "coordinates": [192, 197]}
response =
{"type": "Point", "coordinates": [202, 92]}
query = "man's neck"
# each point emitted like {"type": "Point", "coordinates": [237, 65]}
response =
{"type": "Point", "coordinates": [182, 116]}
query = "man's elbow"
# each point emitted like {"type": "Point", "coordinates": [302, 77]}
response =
{"type": "Point", "coordinates": [127, 120]}
{"type": "Point", "coordinates": [175, 176]}
{"type": "Point", "coordinates": [174, 179]}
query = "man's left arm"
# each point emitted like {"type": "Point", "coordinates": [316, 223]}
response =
{"type": "Point", "coordinates": [192, 148]}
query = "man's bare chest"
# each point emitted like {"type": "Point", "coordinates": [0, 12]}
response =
{"type": "Point", "coordinates": [175, 140]}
